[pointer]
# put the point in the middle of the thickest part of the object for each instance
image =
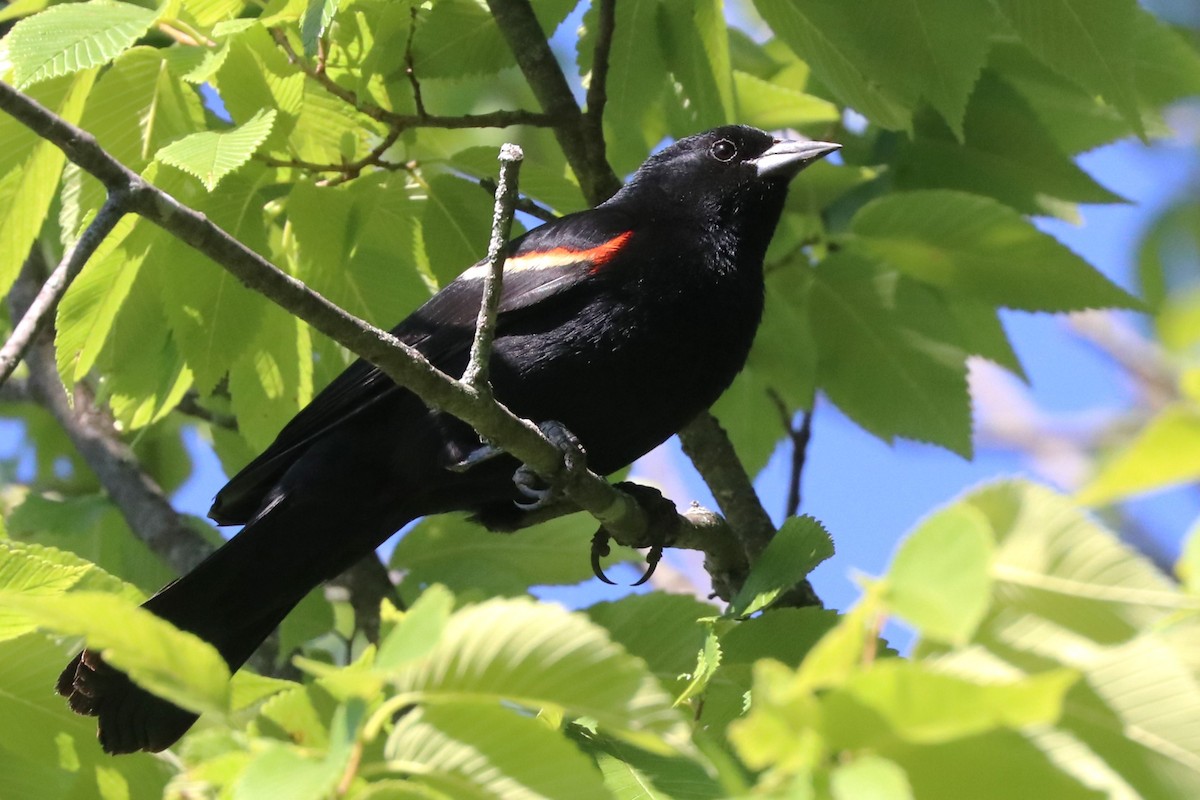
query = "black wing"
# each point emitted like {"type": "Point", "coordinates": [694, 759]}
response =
{"type": "Point", "coordinates": [542, 266]}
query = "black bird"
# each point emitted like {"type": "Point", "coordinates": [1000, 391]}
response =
{"type": "Point", "coordinates": [621, 323]}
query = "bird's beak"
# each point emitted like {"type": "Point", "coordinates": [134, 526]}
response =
{"type": "Point", "coordinates": [785, 159]}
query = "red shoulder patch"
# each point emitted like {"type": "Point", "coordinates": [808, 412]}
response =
{"type": "Point", "coordinates": [596, 257]}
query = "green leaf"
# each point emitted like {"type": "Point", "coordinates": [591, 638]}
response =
{"type": "Point", "coordinates": [47, 751]}
{"type": "Point", "coordinates": [939, 579]}
{"type": "Point", "coordinates": [547, 178]}
{"type": "Point", "coordinates": [256, 75]}
{"type": "Point", "coordinates": [288, 772]}
{"type": "Point", "coordinates": [283, 772]}
{"type": "Point", "coordinates": [1052, 560]}
{"type": "Point", "coordinates": [455, 226]}
{"type": "Point", "coordinates": [981, 333]}
{"type": "Point", "coordinates": [20, 556]}
{"type": "Point", "coordinates": [1166, 68]}
{"type": "Point", "coordinates": [357, 245]}
{"type": "Point", "coordinates": [922, 705]}
{"type": "Point", "coordinates": [840, 651]}
{"type": "Point", "coordinates": [633, 774]}
{"type": "Point", "coordinates": [211, 155]}
{"type": "Point", "coordinates": [466, 558]}
{"type": "Point", "coordinates": [72, 37]}
{"type": "Point", "coordinates": [750, 416]}
{"type": "Point", "coordinates": [1164, 273]}
{"type": "Point", "coordinates": [637, 78]}
{"type": "Point", "coordinates": [418, 630]}
{"type": "Point", "coordinates": [929, 50]}
{"type": "Point", "coordinates": [489, 751]}
{"type": "Point", "coordinates": [784, 355]}
{"type": "Point", "coordinates": [877, 367]}
{"type": "Point", "coordinates": [155, 654]}
{"type": "Point", "coordinates": [795, 550]}
{"type": "Point", "coordinates": [1075, 118]}
{"type": "Point", "coordinates": [1188, 565]}
{"type": "Point", "coordinates": [695, 46]}
{"type": "Point", "coordinates": [214, 318]}
{"type": "Point", "coordinates": [312, 617]}
{"type": "Point", "coordinates": [869, 778]}
{"type": "Point", "coordinates": [144, 374]}
{"type": "Point", "coordinates": [26, 571]}
{"type": "Point", "coordinates": [273, 379]}
{"type": "Point", "coordinates": [1005, 152]}
{"type": "Point", "coordinates": [975, 246]}
{"type": "Point", "coordinates": [299, 714]}
{"type": "Point", "coordinates": [138, 106]}
{"type": "Point", "coordinates": [664, 630]}
{"type": "Point", "coordinates": [770, 106]}
{"type": "Point", "coordinates": [1088, 41]}
{"type": "Point", "coordinates": [780, 728]}
{"type": "Point", "coordinates": [459, 38]}
{"type": "Point", "coordinates": [535, 655]}
{"type": "Point", "coordinates": [28, 191]}
{"type": "Point", "coordinates": [1164, 453]}
{"type": "Point", "coordinates": [817, 32]}
{"type": "Point", "coordinates": [998, 765]}
{"type": "Point", "coordinates": [317, 18]}
{"type": "Point", "coordinates": [90, 306]}
{"type": "Point", "coordinates": [708, 660]}
{"type": "Point", "coordinates": [16, 9]}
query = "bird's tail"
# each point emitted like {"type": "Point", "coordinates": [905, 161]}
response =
{"type": "Point", "coordinates": [233, 600]}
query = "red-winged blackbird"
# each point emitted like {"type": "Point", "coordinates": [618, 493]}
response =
{"type": "Point", "coordinates": [622, 323]}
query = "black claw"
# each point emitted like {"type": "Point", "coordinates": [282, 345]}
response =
{"type": "Point", "coordinates": [652, 558]}
{"type": "Point", "coordinates": [531, 485]}
{"type": "Point", "coordinates": [600, 549]}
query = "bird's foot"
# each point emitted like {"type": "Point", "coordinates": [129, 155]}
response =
{"type": "Point", "coordinates": [663, 522]}
{"type": "Point", "coordinates": [542, 493]}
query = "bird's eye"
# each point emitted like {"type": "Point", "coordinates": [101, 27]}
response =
{"type": "Point", "coordinates": [724, 150]}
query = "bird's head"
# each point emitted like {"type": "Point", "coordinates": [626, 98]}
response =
{"type": "Point", "coordinates": [731, 169]}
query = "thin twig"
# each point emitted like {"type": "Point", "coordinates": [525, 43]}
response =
{"type": "Point", "coordinates": [521, 30]}
{"type": "Point", "coordinates": [189, 404]}
{"type": "Point", "coordinates": [799, 437]}
{"type": "Point", "coordinates": [597, 92]}
{"type": "Point", "coordinates": [46, 301]}
{"type": "Point", "coordinates": [409, 69]}
{"type": "Point", "coordinates": [476, 373]}
{"type": "Point", "coordinates": [494, 119]}
{"type": "Point", "coordinates": [523, 203]}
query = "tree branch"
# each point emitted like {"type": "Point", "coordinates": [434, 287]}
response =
{"type": "Point", "coordinates": [494, 119]}
{"type": "Point", "coordinates": [189, 404]}
{"type": "Point", "coordinates": [42, 306]}
{"type": "Point", "coordinates": [597, 92]}
{"type": "Point", "coordinates": [524, 204]}
{"type": "Point", "coordinates": [140, 500]}
{"type": "Point", "coordinates": [707, 445]}
{"type": "Point", "coordinates": [617, 511]}
{"type": "Point", "coordinates": [799, 437]}
{"type": "Point", "coordinates": [521, 29]}
{"type": "Point", "coordinates": [476, 373]}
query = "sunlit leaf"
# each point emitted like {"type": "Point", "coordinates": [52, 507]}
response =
{"type": "Point", "coordinates": [178, 665]}
{"type": "Point", "coordinates": [74, 36]}
{"type": "Point", "coordinates": [211, 155]}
